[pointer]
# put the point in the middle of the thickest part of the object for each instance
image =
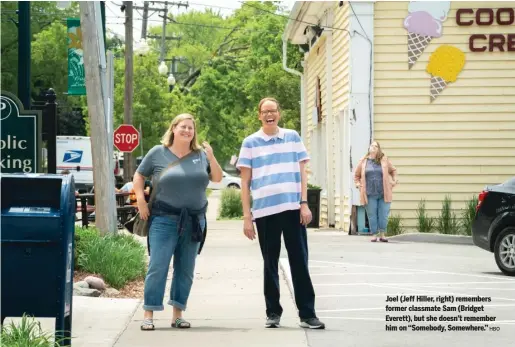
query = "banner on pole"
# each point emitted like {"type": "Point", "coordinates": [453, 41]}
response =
{"type": "Point", "coordinates": [76, 73]}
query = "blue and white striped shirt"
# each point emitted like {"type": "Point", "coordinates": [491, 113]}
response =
{"type": "Point", "coordinates": [275, 163]}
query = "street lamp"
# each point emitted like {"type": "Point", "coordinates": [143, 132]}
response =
{"type": "Point", "coordinates": [171, 82]}
{"type": "Point", "coordinates": [142, 48]}
{"type": "Point", "coordinates": [163, 69]}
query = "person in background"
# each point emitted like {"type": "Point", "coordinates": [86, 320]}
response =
{"type": "Point", "coordinates": [178, 215]}
{"type": "Point", "coordinates": [375, 177]}
{"type": "Point", "coordinates": [273, 162]}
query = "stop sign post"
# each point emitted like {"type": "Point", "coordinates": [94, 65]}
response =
{"type": "Point", "coordinates": [126, 138]}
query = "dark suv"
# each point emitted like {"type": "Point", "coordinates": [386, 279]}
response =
{"type": "Point", "coordinates": [494, 225]}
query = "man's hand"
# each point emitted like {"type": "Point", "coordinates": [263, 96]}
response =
{"type": "Point", "coordinates": [248, 228]}
{"type": "Point", "coordinates": [305, 214]}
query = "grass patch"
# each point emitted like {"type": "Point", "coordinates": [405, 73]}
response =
{"type": "Point", "coordinates": [447, 222]}
{"type": "Point", "coordinates": [208, 192]}
{"type": "Point", "coordinates": [117, 258]}
{"type": "Point", "coordinates": [230, 204]}
{"type": "Point", "coordinates": [28, 333]}
{"type": "Point", "coordinates": [468, 215]}
{"type": "Point", "coordinates": [425, 224]}
{"type": "Point", "coordinates": [395, 225]}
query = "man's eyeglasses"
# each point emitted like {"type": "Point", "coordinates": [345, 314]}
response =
{"type": "Point", "coordinates": [264, 113]}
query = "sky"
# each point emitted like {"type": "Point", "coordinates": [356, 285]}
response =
{"type": "Point", "coordinates": [115, 18]}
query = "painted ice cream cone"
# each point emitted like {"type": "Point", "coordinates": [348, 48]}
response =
{"type": "Point", "coordinates": [444, 66]}
{"type": "Point", "coordinates": [416, 45]}
{"type": "Point", "coordinates": [438, 84]}
{"type": "Point", "coordinates": [423, 23]}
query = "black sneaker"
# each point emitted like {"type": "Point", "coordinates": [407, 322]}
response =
{"type": "Point", "coordinates": [273, 321]}
{"type": "Point", "coordinates": [312, 323]}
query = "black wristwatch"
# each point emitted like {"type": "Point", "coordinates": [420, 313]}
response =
{"type": "Point", "coordinates": [303, 202]}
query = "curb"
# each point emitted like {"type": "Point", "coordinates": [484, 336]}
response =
{"type": "Point", "coordinates": [434, 238]}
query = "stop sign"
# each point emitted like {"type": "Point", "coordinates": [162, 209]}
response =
{"type": "Point", "coordinates": [126, 138]}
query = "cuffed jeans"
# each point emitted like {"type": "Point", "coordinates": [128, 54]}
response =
{"type": "Point", "coordinates": [165, 242]}
{"type": "Point", "coordinates": [295, 239]}
{"type": "Point", "coordinates": [377, 213]}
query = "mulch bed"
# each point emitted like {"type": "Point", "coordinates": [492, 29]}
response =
{"type": "Point", "coordinates": [132, 290]}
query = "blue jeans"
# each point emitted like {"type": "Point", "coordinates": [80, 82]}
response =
{"type": "Point", "coordinates": [377, 213]}
{"type": "Point", "coordinates": [165, 242]}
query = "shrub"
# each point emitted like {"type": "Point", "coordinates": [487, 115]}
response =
{"type": "Point", "coordinates": [447, 222]}
{"type": "Point", "coordinates": [117, 258]}
{"type": "Point", "coordinates": [230, 204]}
{"type": "Point", "coordinates": [468, 215]}
{"type": "Point", "coordinates": [395, 225]}
{"type": "Point", "coordinates": [28, 333]}
{"type": "Point", "coordinates": [425, 224]}
{"type": "Point", "coordinates": [208, 192]}
{"type": "Point", "coordinates": [83, 236]}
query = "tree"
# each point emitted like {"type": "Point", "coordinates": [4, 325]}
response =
{"type": "Point", "coordinates": [43, 14]}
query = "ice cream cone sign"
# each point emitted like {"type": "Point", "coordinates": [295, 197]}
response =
{"type": "Point", "coordinates": [423, 23]}
{"type": "Point", "coordinates": [444, 65]}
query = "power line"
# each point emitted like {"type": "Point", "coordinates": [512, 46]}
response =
{"type": "Point", "coordinates": [359, 22]}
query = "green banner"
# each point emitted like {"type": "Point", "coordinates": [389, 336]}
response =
{"type": "Point", "coordinates": [20, 142]}
{"type": "Point", "coordinates": [76, 74]}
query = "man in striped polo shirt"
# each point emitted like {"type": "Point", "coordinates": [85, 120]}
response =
{"type": "Point", "coordinates": [272, 163]}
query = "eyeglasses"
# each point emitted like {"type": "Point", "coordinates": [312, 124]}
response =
{"type": "Point", "coordinates": [264, 113]}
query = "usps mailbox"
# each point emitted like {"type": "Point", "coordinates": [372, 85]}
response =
{"type": "Point", "coordinates": [38, 217]}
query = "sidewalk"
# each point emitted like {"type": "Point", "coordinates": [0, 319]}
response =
{"type": "Point", "coordinates": [226, 305]}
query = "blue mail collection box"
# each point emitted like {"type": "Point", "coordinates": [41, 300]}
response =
{"type": "Point", "coordinates": [38, 223]}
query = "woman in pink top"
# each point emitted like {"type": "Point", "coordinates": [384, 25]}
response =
{"type": "Point", "coordinates": [375, 177]}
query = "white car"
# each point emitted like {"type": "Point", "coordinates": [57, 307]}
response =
{"type": "Point", "coordinates": [227, 181]}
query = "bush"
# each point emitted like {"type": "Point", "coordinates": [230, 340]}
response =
{"type": "Point", "coordinates": [117, 258]}
{"type": "Point", "coordinates": [468, 215]}
{"type": "Point", "coordinates": [395, 225]}
{"type": "Point", "coordinates": [447, 222]}
{"type": "Point", "coordinates": [27, 334]}
{"type": "Point", "coordinates": [425, 224]}
{"type": "Point", "coordinates": [230, 204]}
{"type": "Point", "coordinates": [83, 236]}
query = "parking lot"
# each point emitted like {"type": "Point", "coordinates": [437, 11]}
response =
{"type": "Point", "coordinates": [353, 278]}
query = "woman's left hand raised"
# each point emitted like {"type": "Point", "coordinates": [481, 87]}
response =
{"type": "Point", "coordinates": [209, 149]}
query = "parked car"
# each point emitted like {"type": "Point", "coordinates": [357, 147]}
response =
{"type": "Point", "coordinates": [493, 228]}
{"type": "Point", "coordinates": [228, 181]}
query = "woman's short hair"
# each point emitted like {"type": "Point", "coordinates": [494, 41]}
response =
{"type": "Point", "coordinates": [168, 137]}
{"type": "Point", "coordinates": [268, 99]}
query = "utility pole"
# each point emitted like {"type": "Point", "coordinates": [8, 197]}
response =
{"type": "Point", "coordinates": [163, 34]}
{"type": "Point", "coordinates": [145, 21]}
{"type": "Point", "coordinates": [24, 62]}
{"type": "Point", "coordinates": [128, 166]}
{"type": "Point", "coordinates": [92, 41]}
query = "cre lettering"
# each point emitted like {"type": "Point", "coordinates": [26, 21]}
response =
{"type": "Point", "coordinates": [486, 17]}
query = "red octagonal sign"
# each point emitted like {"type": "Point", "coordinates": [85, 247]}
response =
{"type": "Point", "coordinates": [126, 138]}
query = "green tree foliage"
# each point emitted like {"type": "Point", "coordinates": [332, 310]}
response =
{"type": "Point", "coordinates": [224, 66]}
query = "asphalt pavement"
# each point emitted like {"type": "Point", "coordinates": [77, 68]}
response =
{"type": "Point", "coordinates": [354, 278]}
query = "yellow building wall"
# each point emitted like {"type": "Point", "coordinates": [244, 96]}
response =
{"type": "Point", "coordinates": [315, 66]}
{"type": "Point", "coordinates": [340, 98]}
{"type": "Point", "coordinates": [462, 141]}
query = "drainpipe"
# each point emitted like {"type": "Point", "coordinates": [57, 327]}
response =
{"type": "Point", "coordinates": [301, 75]}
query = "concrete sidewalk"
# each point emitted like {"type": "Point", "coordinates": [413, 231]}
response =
{"type": "Point", "coordinates": [226, 305]}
